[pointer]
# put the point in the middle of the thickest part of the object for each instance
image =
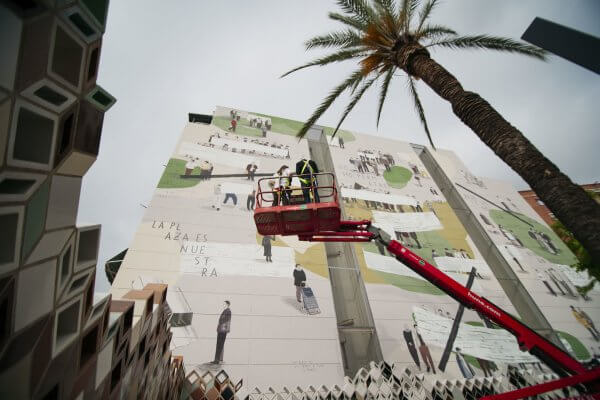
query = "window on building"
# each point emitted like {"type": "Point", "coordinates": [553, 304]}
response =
{"type": "Point", "coordinates": [539, 202]}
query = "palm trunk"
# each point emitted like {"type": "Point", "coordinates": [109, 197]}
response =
{"type": "Point", "coordinates": [568, 201]}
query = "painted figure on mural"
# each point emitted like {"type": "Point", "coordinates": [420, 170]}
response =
{"type": "Point", "coordinates": [299, 281]}
{"type": "Point", "coordinates": [560, 281]}
{"type": "Point", "coordinates": [206, 170]}
{"type": "Point", "coordinates": [424, 350]}
{"type": "Point", "coordinates": [217, 197]}
{"type": "Point", "coordinates": [251, 200]}
{"type": "Point", "coordinates": [535, 235]}
{"type": "Point", "coordinates": [410, 343]}
{"type": "Point", "coordinates": [266, 243]}
{"type": "Point", "coordinates": [584, 319]}
{"type": "Point", "coordinates": [549, 243]}
{"type": "Point", "coordinates": [485, 366]}
{"type": "Point", "coordinates": [543, 278]}
{"type": "Point", "coordinates": [223, 328]}
{"type": "Point", "coordinates": [231, 196]}
{"type": "Point", "coordinates": [251, 171]}
{"type": "Point", "coordinates": [555, 281]}
{"type": "Point", "coordinates": [190, 165]}
{"type": "Point", "coordinates": [463, 365]}
{"type": "Point", "coordinates": [233, 124]}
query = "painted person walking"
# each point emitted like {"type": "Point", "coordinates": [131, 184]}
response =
{"type": "Point", "coordinates": [424, 350]}
{"type": "Point", "coordinates": [299, 281]}
{"type": "Point", "coordinates": [223, 328]}
{"type": "Point", "coordinates": [463, 365]}
{"type": "Point", "coordinates": [266, 243]}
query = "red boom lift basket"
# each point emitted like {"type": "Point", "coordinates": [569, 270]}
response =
{"type": "Point", "coordinates": [298, 217]}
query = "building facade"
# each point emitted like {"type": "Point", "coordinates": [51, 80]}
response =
{"type": "Point", "coordinates": [59, 339]}
{"type": "Point", "coordinates": [538, 205]}
{"type": "Point", "coordinates": [232, 291]}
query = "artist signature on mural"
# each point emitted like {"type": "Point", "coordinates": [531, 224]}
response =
{"type": "Point", "coordinates": [307, 366]}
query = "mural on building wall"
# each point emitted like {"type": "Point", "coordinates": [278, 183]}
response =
{"type": "Point", "coordinates": [385, 181]}
{"type": "Point", "coordinates": [536, 254]}
{"type": "Point", "coordinates": [238, 298]}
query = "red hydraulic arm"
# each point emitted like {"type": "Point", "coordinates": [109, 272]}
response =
{"type": "Point", "coordinates": [557, 359]}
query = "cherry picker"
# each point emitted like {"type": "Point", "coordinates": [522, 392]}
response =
{"type": "Point", "coordinates": [321, 222]}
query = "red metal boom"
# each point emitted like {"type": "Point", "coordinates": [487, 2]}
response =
{"type": "Point", "coordinates": [528, 340]}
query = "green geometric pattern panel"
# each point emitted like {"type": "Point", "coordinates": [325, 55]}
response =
{"type": "Point", "coordinates": [35, 217]}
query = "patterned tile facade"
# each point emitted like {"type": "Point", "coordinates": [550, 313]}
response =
{"type": "Point", "coordinates": [59, 340]}
{"type": "Point", "coordinates": [381, 381]}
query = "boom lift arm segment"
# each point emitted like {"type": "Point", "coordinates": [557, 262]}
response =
{"type": "Point", "coordinates": [558, 360]}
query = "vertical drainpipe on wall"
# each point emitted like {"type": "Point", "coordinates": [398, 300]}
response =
{"type": "Point", "coordinates": [509, 281]}
{"type": "Point", "coordinates": [359, 343]}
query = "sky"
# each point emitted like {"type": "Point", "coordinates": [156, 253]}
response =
{"type": "Point", "coordinates": [162, 60]}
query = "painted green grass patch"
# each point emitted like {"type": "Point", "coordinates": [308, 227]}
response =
{"type": "Point", "coordinates": [579, 350]}
{"type": "Point", "coordinates": [429, 240]}
{"type": "Point", "coordinates": [477, 323]}
{"type": "Point", "coordinates": [521, 229]}
{"type": "Point", "coordinates": [279, 125]}
{"type": "Point", "coordinates": [411, 284]}
{"type": "Point", "coordinates": [171, 179]}
{"type": "Point", "coordinates": [397, 177]}
{"type": "Point", "coordinates": [242, 127]}
{"type": "Point", "coordinates": [291, 127]}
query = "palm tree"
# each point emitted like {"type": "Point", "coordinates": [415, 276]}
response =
{"type": "Point", "coordinates": [386, 38]}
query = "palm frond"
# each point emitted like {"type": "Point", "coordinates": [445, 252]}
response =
{"type": "Point", "coordinates": [419, 108]}
{"type": "Point", "coordinates": [341, 55]}
{"type": "Point", "coordinates": [425, 13]}
{"type": "Point", "coordinates": [359, 8]}
{"type": "Point", "coordinates": [377, 39]}
{"type": "Point", "coordinates": [407, 9]}
{"type": "Point", "coordinates": [326, 103]}
{"type": "Point", "coordinates": [343, 39]}
{"type": "Point", "coordinates": [383, 93]}
{"type": "Point", "coordinates": [355, 84]}
{"type": "Point", "coordinates": [388, 18]}
{"type": "Point", "coordinates": [348, 20]}
{"type": "Point", "coordinates": [414, 4]}
{"type": "Point", "coordinates": [434, 32]}
{"type": "Point", "coordinates": [354, 101]}
{"type": "Point", "coordinates": [491, 43]}
{"type": "Point", "coordinates": [370, 63]}
{"type": "Point", "coordinates": [385, 6]}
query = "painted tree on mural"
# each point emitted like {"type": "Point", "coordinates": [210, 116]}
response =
{"type": "Point", "coordinates": [385, 38]}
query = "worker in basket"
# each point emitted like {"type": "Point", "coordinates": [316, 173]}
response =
{"type": "Point", "coordinates": [285, 182]}
{"type": "Point", "coordinates": [305, 170]}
